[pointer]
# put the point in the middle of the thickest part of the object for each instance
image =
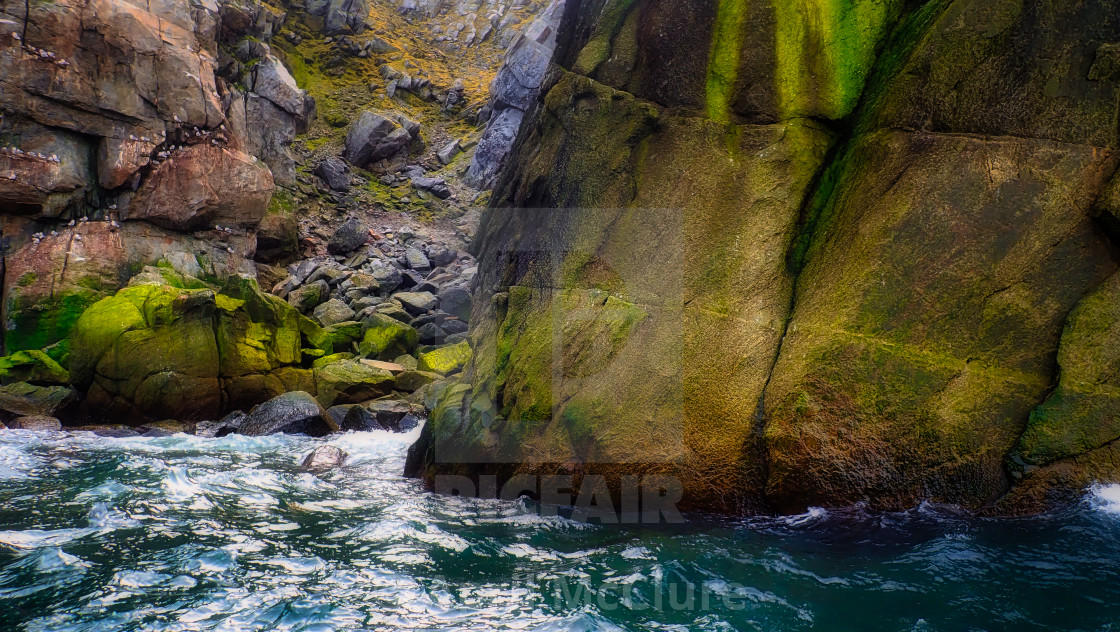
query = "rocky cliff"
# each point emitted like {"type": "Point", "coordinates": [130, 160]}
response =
{"type": "Point", "coordinates": [807, 253]}
{"type": "Point", "coordinates": [127, 140]}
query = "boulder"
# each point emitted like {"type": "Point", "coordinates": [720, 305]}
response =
{"type": "Point", "coordinates": [417, 303]}
{"type": "Point", "coordinates": [359, 419]}
{"type": "Point", "coordinates": [444, 360]}
{"type": "Point", "coordinates": [324, 457]}
{"type": "Point", "coordinates": [436, 186]}
{"type": "Point", "coordinates": [386, 338]}
{"type": "Point", "coordinates": [373, 138]}
{"type": "Point", "coordinates": [224, 426]}
{"type": "Point", "coordinates": [456, 300]}
{"type": "Point", "coordinates": [26, 399]}
{"type": "Point", "coordinates": [307, 297]}
{"type": "Point", "coordinates": [393, 415]}
{"type": "Point", "coordinates": [348, 237]}
{"type": "Point", "coordinates": [411, 381]}
{"type": "Point", "coordinates": [333, 312]}
{"type": "Point", "coordinates": [35, 367]}
{"type": "Point", "coordinates": [417, 260]}
{"type": "Point", "coordinates": [35, 422]}
{"type": "Point", "coordinates": [291, 413]}
{"type": "Point", "coordinates": [47, 285]}
{"type": "Point", "coordinates": [350, 382]}
{"type": "Point", "coordinates": [335, 172]}
{"type": "Point", "coordinates": [449, 152]}
{"type": "Point", "coordinates": [201, 186]}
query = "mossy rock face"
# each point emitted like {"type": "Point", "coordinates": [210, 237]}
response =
{"type": "Point", "coordinates": [1083, 412]}
{"type": "Point", "coordinates": [21, 398]}
{"type": "Point", "coordinates": [32, 366]}
{"type": "Point", "coordinates": [928, 318]}
{"type": "Point", "coordinates": [158, 351]}
{"type": "Point", "coordinates": [351, 382]}
{"type": "Point", "coordinates": [386, 338]}
{"type": "Point", "coordinates": [859, 289]}
{"type": "Point", "coordinates": [444, 360]}
{"type": "Point", "coordinates": [344, 334]}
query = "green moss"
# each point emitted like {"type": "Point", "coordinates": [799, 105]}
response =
{"type": "Point", "coordinates": [32, 366]}
{"type": "Point", "coordinates": [825, 50]}
{"type": "Point", "coordinates": [445, 360]}
{"type": "Point", "coordinates": [27, 279]}
{"type": "Point", "coordinates": [39, 325]}
{"type": "Point", "coordinates": [723, 62]}
{"type": "Point", "coordinates": [387, 338]}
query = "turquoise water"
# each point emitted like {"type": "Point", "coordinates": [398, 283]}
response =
{"type": "Point", "coordinates": [184, 533]}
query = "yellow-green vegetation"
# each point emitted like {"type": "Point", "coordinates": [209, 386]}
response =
{"type": "Point", "coordinates": [825, 51]}
{"type": "Point", "coordinates": [723, 66]}
{"type": "Point", "coordinates": [386, 338]}
{"type": "Point", "coordinates": [444, 360]}
{"type": "Point", "coordinates": [32, 366]}
{"type": "Point", "coordinates": [157, 351]}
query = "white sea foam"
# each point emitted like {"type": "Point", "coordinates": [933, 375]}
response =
{"type": "Point", "coordinates": [1105, 498]}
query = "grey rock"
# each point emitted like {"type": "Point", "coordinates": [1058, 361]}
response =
{"type": "Point", "coordinates": [335, 172]}
{"type": "Point", "coordinates": [417, 260]}
{"type": "Point", "coordinates": [338, 413]}
{"type": "Point", "coordinates": [35, 422]}
{"type": "Point", "coordinates": [348, 237]}
{"type": "Point", "coordinates": [308, 297]}
{"type": "Point", "coordinates": [431, 334]}
{"type": "Point", "coordinates": [291, 413]}
{"type": "Point", "coordinates": [442, 256]}
{"type": "Point", "coordinates": [417, 303]}
{"type": "Point", "coordinates": [226, 425]}
{"type": "Point", "coordinates": [324, 457]}
{"type": "Point", "coordinates": [374, 137]}
{"type": "Point", "coordinates": [360, 420]}
{"type": "Point", "coordinates": [448, 153]}
{"type": "Point", "coordinates": [436, 186]}
{"type": "Point", "coordinates": [454, 326]}
{"type": "Point", "coordinates": [333, 312]}
{"type": "Point", "coordinates": [456, 301]}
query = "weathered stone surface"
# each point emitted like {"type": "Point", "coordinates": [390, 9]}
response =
{"type": "Point", "coordinates": [36, 422]}
{"type": "Point", "coordinates": [417, 303]}
{"type": "Point", "coordinates": [348, 237]}
{"type": "Point", "coordinates": [25, 399]}
{"type": "Point", "coordinates": [350, 382]}
{"type": "Point", "coordinates": [335, 172]}
{"type": "Point", "coordinates": [310, 296]}
{"type": "Point", "coordinates": [386, 338]}
{"type": "Point", "coordinates": [333, 312]}
{"type": "Point", "coordinates": [373, 138]}
{"type": "Point", "coordinates": [291, 413]}
{"type": "Point", "coordinates": [48, 284]}
{"type": "Point", "coordinates": [868, 309]}
{"type": "Point", "coordinates": [156, 351]}
{"type": "Point", "coordinates": [203, 185]}
{"type": "Point", "coordinates": [444, 360]}
{"type": "Point", "coordinates": [324, 457]}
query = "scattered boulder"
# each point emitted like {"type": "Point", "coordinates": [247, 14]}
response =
{"type": "Point", "coordinates": [291, 413]}
{"type": "Point", "coordinates": [456, 301]}
{"type": "Point", "coordinates": [436, 186]}
{"type": "Point", "coordinates": [229, 424]}
{"type": "Point", "coordinates": [333, 312]}
{"type": "Point", "coordinates": [417, 260]}
{"type": "Point", "coordinates": [350, 382]}
{"type": "Point", "coordinates": [308, 297]}
{"type": "Point", "coordinates": [359, 419]}
{"type": "Point", "coordinates": [444, 360]}
{"type": "Point", "coordinates": [35, 422]}
{"type": "Point", "coordinates": [348, 237]}
{"type": "Point", "coordinates": [417, 303]}
{"type": "Point", "coordinates": [386, 338]}
{"type": "Point", "coordinates": [393, 415]}
{"type": "Point", "coordinates": [412, 381]}
{"type": "Point", "coordinates": [324, 457]}
{"type": "Point", "coordinates": [373, 138]}
{"type": "Point", "coordinates": [335, 173]}
{"type": "Point", "coordinates": [21, 398]}
{"type": "Point", "coordinates": [449, 152]}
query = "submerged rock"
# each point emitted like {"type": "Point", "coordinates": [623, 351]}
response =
{"type": "Point", "coordinates": [324, 457]}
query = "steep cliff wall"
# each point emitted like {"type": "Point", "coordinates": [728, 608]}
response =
{"type": "Point", "coordinates": [803, 253]}
{"type": "Point", "coordinates": [122, 144]}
